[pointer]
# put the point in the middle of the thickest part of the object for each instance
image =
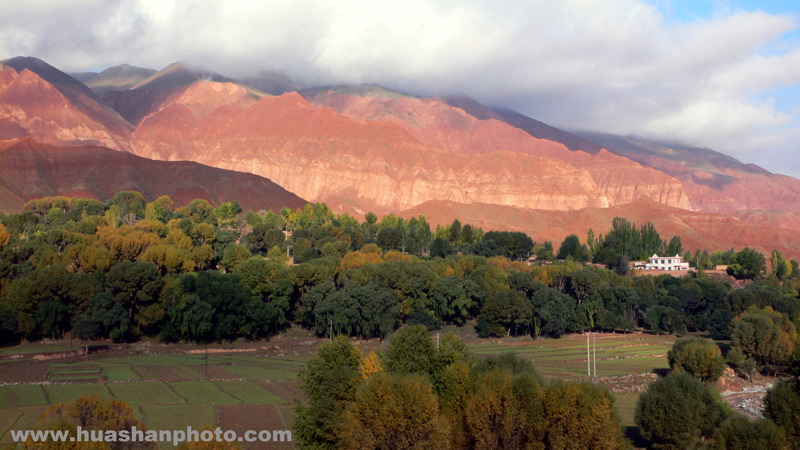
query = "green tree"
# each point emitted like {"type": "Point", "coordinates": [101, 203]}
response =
{"type": "Point", "coordinates": [765, 335]}
{"type": "Point", "coordinates": [738, 432]}
{"type": "Point", "coordinates": [782, 405]}
{"type": "Point", "coordinates": [441, 248]}
{"type": "Point", "coordinates": [329, 380]}
{"type": "Point", "coordinates": [679, 410]}
{"type": "Point", "coordinates": [572, 247]}
{"type": "Point", "coordinates": [411, 350]}
{"type": "Point", "coordinates": [748, 264]}
{"type": "Point", "coordinates": [697, 357]}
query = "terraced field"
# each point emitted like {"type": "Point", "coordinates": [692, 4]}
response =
{"type": "Point", "coordinates": [166, 390]}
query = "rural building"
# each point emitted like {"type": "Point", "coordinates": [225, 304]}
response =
{"type": "Point", "coordinates": [669, 263]}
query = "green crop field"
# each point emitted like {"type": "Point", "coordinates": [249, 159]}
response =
{"type": "Point", "coordinates": [248, 393]}
{"type": "Point", "coordinates": [24, 395]}
{"type": "Point", "coordinates": [199, 392]}
{"type": "Point", "coordinates": [146, 393]}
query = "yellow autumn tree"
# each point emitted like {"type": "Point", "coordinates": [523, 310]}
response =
{"type": "Point", "coordinates": [89, 412]}
{"type": "Point", "coordinates": [370, 365]}
{"type": "Point", "coordinates": [5, 238]}
{"type": "Point", "coordinates": [399, 411]}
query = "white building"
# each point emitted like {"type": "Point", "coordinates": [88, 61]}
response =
{"type": "Point", "coordinates": [667, 263]}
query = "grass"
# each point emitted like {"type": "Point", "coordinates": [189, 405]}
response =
{"type": "Point", "coordinates": [565, 357]}
{"type": "Point", "coordinates": [120, 373]}
{"type": "Point", "coordinates": [249, 393]}
{"type": "Point", "coordinates": [57, 393]}
{"type": "Point", "coordinates": [259, 373]}
{"type": "Point", "coordinates": [23, 395]}
{"type": "Point", "coordinates": [626, 407]}
{"type": "Point", "coordinates": [199, 392]}
{"type": "Point", "coordinates": [177, 417]}
{"type": "Point", "coordinates": [30, 349]}
{"type": "Point", "coordinates": [24, 418]}
{"type": "Point", "coordinates": [146, 393]}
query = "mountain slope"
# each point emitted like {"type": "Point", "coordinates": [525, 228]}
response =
{"type": "Point", "coordinates": [118, 78]}
{"type": "Point", "coordinates": [437, 124]}
{"type": "Point", "coordinates": [375, 165]}
{"type": "Point", "coordinates": [713, 181]}
{"type": "Point", "coordinates": [145, 97]}
{"type": "Point", "coordinates": [30, 170]}
{"type": "Point", "coordinates": [40, 101]}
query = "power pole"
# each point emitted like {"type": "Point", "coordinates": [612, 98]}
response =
{"type": "Point", "coordinates": [588, 359]}
{"type": "Point", "coordinates": [594, 345]}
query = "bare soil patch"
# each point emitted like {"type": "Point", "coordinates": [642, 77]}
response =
{"type": "Point", "coordinates": [242, 418]}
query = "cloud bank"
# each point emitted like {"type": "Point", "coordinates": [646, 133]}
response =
{"type": "Point", "coordinates": [619, 67]}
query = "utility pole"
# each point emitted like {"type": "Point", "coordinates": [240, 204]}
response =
{"type": "Point", "coordinates": [588, 359]}
{"type": "Point", "coordinates": [206, 359]}
{"type": "Point", "coordinates": [437, 341]}
{"type": "Point", "coordinates": [594, 345]}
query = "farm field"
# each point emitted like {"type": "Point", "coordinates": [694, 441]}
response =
{"type": "Point", "coordinates": [243, 387]}
{"type": "Point", "coordinates": [617, 354]}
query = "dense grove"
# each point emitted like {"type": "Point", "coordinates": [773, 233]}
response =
{"type": "Point", "coordinates": [126, 268]}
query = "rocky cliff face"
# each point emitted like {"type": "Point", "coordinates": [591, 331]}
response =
{"type": "Point", "coordinates": [439, 125]}
{"type": "Point", "coordinates": [387, 165]}
{"type": "Point", "coordinates": [714, 182]}
{"type": "Point", "coordinates": [30, 170]}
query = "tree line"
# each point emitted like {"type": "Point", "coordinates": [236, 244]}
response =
{"type": "Point", "coordinates": [127, 268]}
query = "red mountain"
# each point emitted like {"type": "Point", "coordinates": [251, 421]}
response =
{"type": "Point", "coordinates": [39, 101]}
{"type": "Point", "coordinates": [31, 170]}
{"type": "Point", "coordinates": [361, 148]}
{"type": "Point", "coordinates": [144, 97]}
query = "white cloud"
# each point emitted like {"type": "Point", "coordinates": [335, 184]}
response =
{"type": "Point", "coordinates": [616, 66]}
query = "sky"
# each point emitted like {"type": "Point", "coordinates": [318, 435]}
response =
{"type": "Point", "coordinates": [711, 73]}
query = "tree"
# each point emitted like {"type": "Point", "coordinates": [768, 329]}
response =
{"type": "Point", "coordinates": [441, 248]}
{"type": "Point", "coordinates": [581, 415]}
{"type": "Point", "coordinates": [5, 238]}
{"type": "Point", "coordinates": [394, 412]}
{"type": "Point", "coordinates": [738, 432]}
{"type": "Point", "coordinates": [370, 365]}
{"type": "Point", "coordinates": [748, 264]}
{"type": "Point", "coordinates": [571, 247]}
{"type": "Point", "coordinates": [765, 335]}
{"type": "Point", "coordinates": [329, 380]}
{"type": "Point", "coordinates": [507, 312]}
{"type": "Point", "coordinates": [697, 357]}
{"type": "Point", "coordinates": [411, 350]}
{"type": "Point", "coordinates": [91, 413]}
{"type": "Point", "coordinates": [227, 213]}
{"type": "Point", "coordinates": [678, 410]}
{"type": "Point", "coordinates": [505, 411]}
{"type": "Point", "coordinates": [390, 238]}
{"type": "Point", "coordinates": [782, 405]}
